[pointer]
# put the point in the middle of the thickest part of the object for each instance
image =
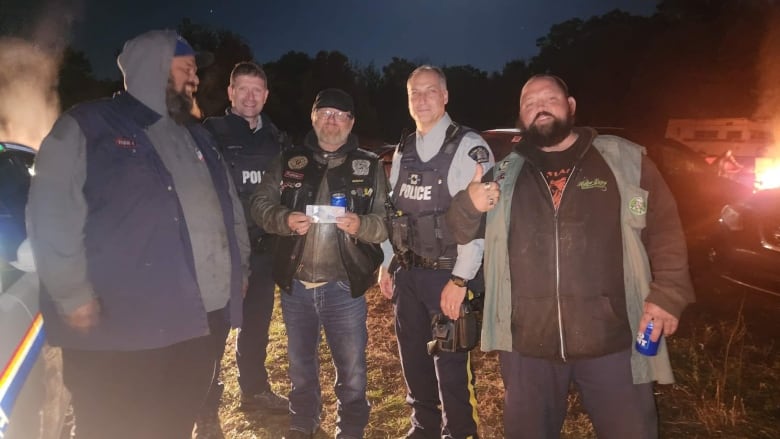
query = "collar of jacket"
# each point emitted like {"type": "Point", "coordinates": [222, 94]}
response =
{"type": "Point", "coordinates": [138, 112]}
{"type": "Point", "coordinates": [311, 143]}
{"type": "Point", "coordinates": [233, 118]}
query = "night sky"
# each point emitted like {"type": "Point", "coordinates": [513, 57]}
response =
{"type": "Point", "coordinates": [483, 33]}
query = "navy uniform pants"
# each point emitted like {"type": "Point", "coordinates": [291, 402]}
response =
{"type": "Point", "coordinates": [252, 340]}
{"type": "Point", "coordinates": [444, 380]}
{"type": "Point", "coordinates": [536, 391]}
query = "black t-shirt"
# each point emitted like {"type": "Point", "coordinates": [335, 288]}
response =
{"type": "Point", "coordinates": [556, 166]}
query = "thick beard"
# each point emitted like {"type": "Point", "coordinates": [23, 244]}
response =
{"type": "Point", "coordinates": [550, 135]}
{"type": "Point", "coordinates": [179, 104]}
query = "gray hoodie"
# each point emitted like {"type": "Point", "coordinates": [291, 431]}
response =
{"type": "Point", "coordinates": [145, 62]}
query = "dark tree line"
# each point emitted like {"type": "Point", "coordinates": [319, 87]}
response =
{"type": "Point", "coordinates": [692, 58]}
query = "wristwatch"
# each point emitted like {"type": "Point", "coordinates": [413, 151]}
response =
{"type": "Point", "coordinates": [458, 281]}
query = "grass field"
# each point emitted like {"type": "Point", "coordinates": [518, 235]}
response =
{"type": "Point", "coordinates": [727, 370]}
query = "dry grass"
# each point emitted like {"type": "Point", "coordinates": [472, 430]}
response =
{"type": "Point", "coordinates": [727, 385]}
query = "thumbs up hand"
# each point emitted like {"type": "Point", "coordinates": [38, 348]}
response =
{"type": "Point", "coordinates": [483, 195]}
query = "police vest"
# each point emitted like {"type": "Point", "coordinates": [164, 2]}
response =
{"type": "Point", "coordinates": [247, 153]}
{"type": "Point", "coordinates": [422, 195]}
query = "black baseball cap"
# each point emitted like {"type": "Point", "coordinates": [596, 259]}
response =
{"type": "Point", "coordinates": [334, 98]}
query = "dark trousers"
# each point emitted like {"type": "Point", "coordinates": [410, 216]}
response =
{"type": "Point", "coordinates": [252, 340]}
{"type": "Point", "coordinates": [444, 380]}
{"type": "Point", "coordinates": [536, 390]}
{"type": "Point", "coordinates": [152, 393]}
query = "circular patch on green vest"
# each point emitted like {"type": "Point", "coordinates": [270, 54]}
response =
{"type": "Point", "coordinates": [637, 206]}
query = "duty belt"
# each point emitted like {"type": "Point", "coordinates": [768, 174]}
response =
{"type": "Point", "coordinates": [431, 263]}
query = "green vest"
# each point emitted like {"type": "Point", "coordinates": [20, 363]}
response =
{"type": "Point", "coordinates": [624, 158]}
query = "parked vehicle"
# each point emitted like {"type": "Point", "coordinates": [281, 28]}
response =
{"type": "Point", "coordinates": [745, 249]}
{"type": "Point", "coordinates": [33, 401]}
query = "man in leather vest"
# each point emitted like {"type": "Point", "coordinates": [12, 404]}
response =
{"type": "Point", "coordinates": [141, 247]}
{"type": "Point", "coordinates": [248, 141]}
{"type": "Point", "coordinates": [585, 249]}
{"type": "Point", "coordinates": [324, 263]}
{"type": "Point", "coordinates": [431, 165]}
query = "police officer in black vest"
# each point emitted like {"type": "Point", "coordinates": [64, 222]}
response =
{"type": "Point", "coordinates": [248, 141]}
{"type": "Point", "coordinates": [429, 167]}
{"type": "Point", "coordinates": [324, 262]}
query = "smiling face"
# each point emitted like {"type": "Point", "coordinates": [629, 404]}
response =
{"type": "Point", "coordinates": [182, 85]}
{"type": "Point", "coordinates": [247, 94]}
{"type": "Point", "coordinates": [428, 96]}
{"type": "Point", "coordinates": [183, 75]}
{"type": "Point", "coordinates": [332, 127]}
{"type": "Point", "coordinates": [546, 113]}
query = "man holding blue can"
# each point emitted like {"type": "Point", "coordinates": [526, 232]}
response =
{"type": "Point", "coordinates": [326, 201]}
{"type": "Point", "coordinates": [584, 249]}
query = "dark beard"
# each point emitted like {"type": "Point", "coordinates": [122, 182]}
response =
{"type": "Point", "coordinates": [550, 135]}
{"type": "Point", "coordinates": [179, 105]}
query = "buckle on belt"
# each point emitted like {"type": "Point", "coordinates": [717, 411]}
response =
{"type": "Point", "coordinates": [432, 263]}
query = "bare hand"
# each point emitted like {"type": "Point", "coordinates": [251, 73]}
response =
{"type": "Point", "coordinates": [85, 317]}
{"type": "Point", "coordinates": [298, 223]}
{"type": "Point", "coordinates": [483, 195]}
{"type": "Point", "coordinates": [451, 299]}
{"type": "Point", "coordinates": [386, 283]}
{"type": "Point", "coordinates": [349, 223]}
{"type": "Point", "coordinates": [663, 322]}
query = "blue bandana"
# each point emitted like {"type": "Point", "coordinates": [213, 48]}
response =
{"type": "Point", "coordinates": [183, 48]}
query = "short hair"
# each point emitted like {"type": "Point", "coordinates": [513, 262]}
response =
{"type": "Point", "coordinates": [248, 68]}
{"type": "Point", "coordinates": [556, 79]}
{"type": "Point", "coordinates": [429, 68]}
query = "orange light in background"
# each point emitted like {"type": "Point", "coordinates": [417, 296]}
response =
{"type": "Point", "coordinates": [767, 172]}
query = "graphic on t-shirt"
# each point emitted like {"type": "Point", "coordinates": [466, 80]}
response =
{"type": "Point", "coordinates": [556, 180]}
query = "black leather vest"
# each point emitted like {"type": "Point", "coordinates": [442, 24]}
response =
{"type": "Point", "coordinates": [356, 178]}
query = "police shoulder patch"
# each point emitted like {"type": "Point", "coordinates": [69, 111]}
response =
{"type": "Point", "coordinates": [479, 154]}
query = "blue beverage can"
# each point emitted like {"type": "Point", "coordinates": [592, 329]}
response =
{"type": "Point", "coordinates": [338, 199]}
{"type": "Point", "coordinates": [643, 343]}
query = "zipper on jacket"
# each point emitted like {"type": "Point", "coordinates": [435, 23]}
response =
{"type": "Point", "coordinates": [573, 173]}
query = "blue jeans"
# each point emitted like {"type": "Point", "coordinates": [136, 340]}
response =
{"type": "Point", "coordinates": [330, 307]}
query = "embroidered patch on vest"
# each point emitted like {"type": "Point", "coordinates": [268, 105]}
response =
{"type": "Point", "coordinates": [480, 154]}
{"type": "Point", "coordinates": [124, 142]}
{"type": "Point", "coordinates": [414, 179]}
{"type": "Point", "coordinates": [637, 206]}
{"type": "Point", "coordinates": [360, 167]}
{"type": "Point", "coordinates": [596, 183]}
{"type": "Point", "coordinates": [298, 162]}
{"type": "Point", "coordinates": [293, 175]}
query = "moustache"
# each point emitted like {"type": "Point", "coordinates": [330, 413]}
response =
{"type": "Point", "coordinates": [540, 114]}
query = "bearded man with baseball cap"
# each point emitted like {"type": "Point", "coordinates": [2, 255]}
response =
{"type": "Point", "coordinates": [141, 247]}
{"type": "Point", "coordinates": [324, 261]}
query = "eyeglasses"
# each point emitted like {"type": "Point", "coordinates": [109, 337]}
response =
{"type": "Point", "coordinates": [341, 116]}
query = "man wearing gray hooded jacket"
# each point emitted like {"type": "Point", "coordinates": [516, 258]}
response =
{"type": "Point", "coordinates": [141, 247]}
